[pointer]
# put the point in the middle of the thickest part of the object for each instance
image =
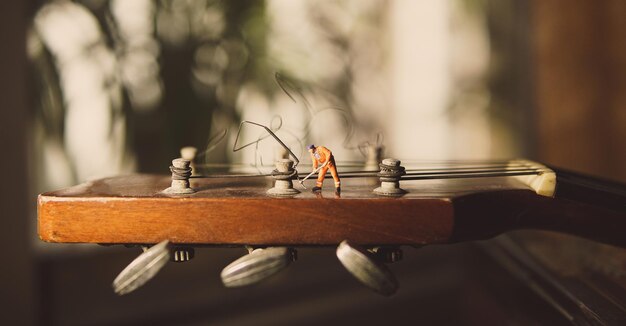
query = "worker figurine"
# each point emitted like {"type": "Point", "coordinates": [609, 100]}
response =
{"type": "Point", "coordinates": [321, 155]}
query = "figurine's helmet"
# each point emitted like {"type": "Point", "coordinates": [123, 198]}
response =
{"type": "Point", "coordinates": [310, 147]}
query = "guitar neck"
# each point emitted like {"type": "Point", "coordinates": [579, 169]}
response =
{"type": "Point", "coordinates": [592, 207]}
{"type": "Point", "coordinates": [595, 192]}
{"type": "Point", "coordinates": [582, 205]}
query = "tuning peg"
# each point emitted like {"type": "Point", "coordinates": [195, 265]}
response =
{"type": "Point", "coordinates": [360, 263]}
{"type": "Point", "coordinates": [143, 268]}
{"type": "Point", "coordinates": [256, 266]}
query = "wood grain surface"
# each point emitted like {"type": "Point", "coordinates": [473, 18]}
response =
{"type": "Point", "coordinates": [237, 211]}
{"type": "Point", "coordinates": [223, 211]}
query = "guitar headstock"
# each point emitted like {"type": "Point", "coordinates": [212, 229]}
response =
{"type": "Point", "coordinates": [244, 209]}
{"type": "Point", "coordinates": [271, 214]}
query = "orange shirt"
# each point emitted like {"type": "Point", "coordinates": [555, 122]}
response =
{"type": "Point", "coordinates": [320, 155]}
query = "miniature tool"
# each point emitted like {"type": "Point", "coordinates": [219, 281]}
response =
{"type": "Point", "coordinates": [312, 173]}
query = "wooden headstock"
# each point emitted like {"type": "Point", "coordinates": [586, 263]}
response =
{"type": "Point", "coordinates": [238, 211]}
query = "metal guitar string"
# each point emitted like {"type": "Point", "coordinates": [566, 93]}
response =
{"type": "Point", "coordinates": [220, 176]}
{"type": "Point", "coordinates": [366, 144]}
{"type": "Point", "coordinates": [451, 169]}
{"type": "Point", "coordinates": [180, 173]}
{"type": "Point", "coordinates": [287, 85]}
{"type": "Point", "coordinates": [270, 132]}
{"type": "Point", "coordinates": [471, 175]}
{"type": "Point", "coordinates": [438, 165]}
{"type": "Point", "coordinates": [357, 164]}
{"type": "Point", "coordinates": [444, 164]}
{"type": "Point", "coordinates": [217, 138]}
{"type": "Point", "coordinates": [212, 144]}
{"type": "Point", "coordinates": [416, 174]}
{"type": "Point", "coordinates": [248, 165]}
{"type": "Point", "coordinates": [421, 175]}
{"type": "Point", "coordinates": [443, 171]}
{"type": "Point", "coordinates": [284, 83]}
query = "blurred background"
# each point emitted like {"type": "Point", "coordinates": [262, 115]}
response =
{"type": "Point", "coordinates": [96, 88]}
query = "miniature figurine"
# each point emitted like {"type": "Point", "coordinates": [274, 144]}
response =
{"type": "Point", "coordinates": [322, 155]}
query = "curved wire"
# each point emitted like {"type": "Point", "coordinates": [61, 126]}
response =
{"type": "Point", "coordinates": [212, 144]}
{"type": "Point", "coordinates": [270, 132]}
{"type": "Point", "coordinates": [364, 145]}
{"type": "Point", "coordinates": [258, 157]}
{"type": "Point", "coordinates": [287, 85]}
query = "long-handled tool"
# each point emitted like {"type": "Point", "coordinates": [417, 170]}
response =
{"type": "Point", "coordinates": [310, 174]}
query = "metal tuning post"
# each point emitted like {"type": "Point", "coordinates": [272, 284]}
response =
{"type": "Point", "coordinates": [181, 171]}
{"type": "Point", "coordinates": [364, 266]}
{"type": "Point", "coordinates": [256, 266]}
{"type": "Point", "coordinates": [189, 153]}
{"type": "Point", "coordinates": [390, 174]}
{"type": "Point", "coordinates": [143, 268]}
{"type": "Point", "coordinates": [283, 176]}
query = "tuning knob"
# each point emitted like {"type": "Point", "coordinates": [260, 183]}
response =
{"type": "Point", "coordinates": [366, 269]}
{"type": "Point", "coordinates": [256, 266]}
{"type": "Point", "coordinates": [143, 268]}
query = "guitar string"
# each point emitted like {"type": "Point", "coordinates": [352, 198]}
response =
{"type": "Point", "coordinates": [485, 168]}
{"type": "Point", "coordinates": [450, 171]}
{"type": "Point", "coordinates": [340, 165]}
{"type": "Point", "coordinates": [408, 171]}
{"type": "Point", "coordinates": [410, 175]}
{"type": "Point", "coordinates": [472, 175]}
{"type": "Point", "coordinates": [422, 165]}
{"type": "Point", "coordinates": [461, 174]}
{"type": "Point", "coordinates": [450, 162]}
